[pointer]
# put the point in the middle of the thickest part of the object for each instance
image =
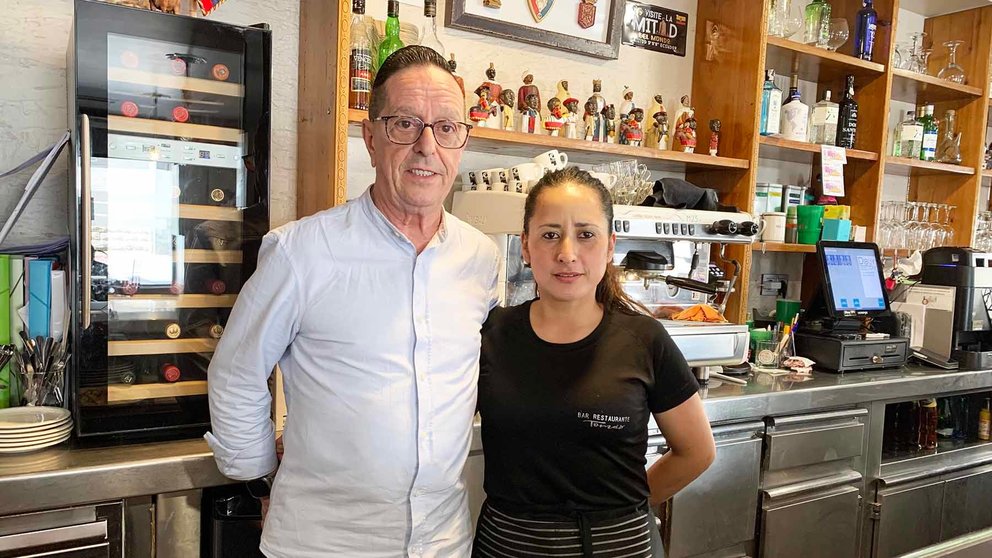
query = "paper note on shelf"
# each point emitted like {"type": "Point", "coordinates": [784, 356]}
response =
{"type": "Point", "coordinates": [832, 161]}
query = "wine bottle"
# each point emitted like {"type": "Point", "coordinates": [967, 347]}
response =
{"type": "Point", "coordinates": [929, 149]}
{"type": "Point", "coordinates": [208, 185]}
{"type": "Point", "coordinates": [360, 59]}
{"type": "Point", "coordinates": [428, 35]}
{"type": "Point", "coordinates": [203, 323]}
{"type": "Point", "coordinates": [391, 42]}
{"type": "Point", "coordinates": [847, 119]}
{"type": "Point", "coordinates": [865, 26]}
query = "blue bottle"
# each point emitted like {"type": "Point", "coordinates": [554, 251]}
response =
{"type": "Point", "coordinates": [864, 30]}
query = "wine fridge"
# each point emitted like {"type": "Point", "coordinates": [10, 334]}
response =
{"type": "Point", "coordinates": [168, 205]}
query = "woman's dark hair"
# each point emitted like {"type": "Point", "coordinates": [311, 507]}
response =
{"type": "Point", "coordinates": [406, 57]}
{"type": "Point", "coordinates": [609, 293]}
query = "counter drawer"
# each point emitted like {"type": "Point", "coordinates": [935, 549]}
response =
{"type": "Point", "coordinates": [813, 439]}
{"type": "Point", "coordinates": [822, 524]}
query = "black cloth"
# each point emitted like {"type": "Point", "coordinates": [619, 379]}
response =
{"type": "Point", "coordinates": [680, 194]}
{"type": "Point", "coordinates": [565, 426]}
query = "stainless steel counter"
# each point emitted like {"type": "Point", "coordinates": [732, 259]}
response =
{"type": "Point", "coordinates": [767, 395]}
{"type": "Point", "coordinates": [63, 476]}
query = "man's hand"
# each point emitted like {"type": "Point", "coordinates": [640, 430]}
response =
{"type": "Point", "coordinates": [265, 501]}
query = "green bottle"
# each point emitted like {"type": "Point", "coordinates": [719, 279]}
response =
{"type": "Point", "coordinates": [929, 151]}
{"type": "Point", "coordinates": [817, 22]}
{"type": "Point", "coordinates": [391, 42]}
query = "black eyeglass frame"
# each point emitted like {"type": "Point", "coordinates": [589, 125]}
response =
{"type": "Point", "coordinates": [424, 126]}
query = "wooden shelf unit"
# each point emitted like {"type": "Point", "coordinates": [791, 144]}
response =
{"type": "Point", "coordinates": [192, 255]}
{"type": "Point", "coordinates": [178, 301]}
{"type": "Point", "coordinates": [325, 121]}
{"type": "Point", "coordinates": [146, 126]}
{"type": "Point", "coordinates": [788, 150]}
{"type": "Point", "coordinates": [209, 213]}
{"type": "Point", "coordinates": [160, 346]}
{"type": "Point", "coordinates": [910, 86]}
{"type": "Point", "coordinates": [816, 64]}
{"type": "Point", "coordinates": [916, 167]}
{"type": "Point", "coordinates": [516, 144]}
{"type": "Point", "coordinates": [137, 392]}
{"type": "Point", "coordinates": [182, 83]}
{"type": "Point", "coordinates": [783, 247]}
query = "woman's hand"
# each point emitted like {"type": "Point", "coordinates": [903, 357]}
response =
{"type": "Point", "coordinates": [691, 449]}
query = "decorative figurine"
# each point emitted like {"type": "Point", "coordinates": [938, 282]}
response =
{"type": "Point", "coordinates": [610, 118]}
{"type": "Point", "coordinates": [505, 102]}
{"type": "Point", "coordinates": [562, 93]}
{"type": "Point", "coordinates": [495, 89]}
{"type": "Point", "coordinates": [680, 128]}
{"type": "Point", "coordinates": [594, 121]}
{"type": "Point", "coordinates": [530, 116]}
{"type": "Point", "coordinates": [452, 65]}
{"type": "Point", "coordinates": [652, 131]}
{"type": "Point", "coordinates": [526, 90]}
{"type": "Point", "coordinates": [572, 119]}
{"type": "Point", "coordinates": [628, 102]}
{"type": "Point", "coordinates": [484, 109]}
{"type": "Point", "coordinates": [597, 95]}
{"type": "Point", "coordinates": [714, 136]}
{"type": "Point", "coordinates": [556, 117]}
{"type": "Point", "coordinates": [630, 131]}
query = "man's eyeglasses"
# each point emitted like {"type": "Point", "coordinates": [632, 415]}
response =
{"type": "Point", "coordinates": [406, 130]}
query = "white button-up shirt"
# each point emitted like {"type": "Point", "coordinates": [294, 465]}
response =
{"type": "Point", "coordinates": [379, 348]}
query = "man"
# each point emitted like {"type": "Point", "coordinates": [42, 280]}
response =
{"type": "Point", "coordinates": [373, 311]}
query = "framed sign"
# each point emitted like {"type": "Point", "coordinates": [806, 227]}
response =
{"type": "Point", "coordinates": [655, 28]}
{"type": "Point", "coordinates": [589, 27]}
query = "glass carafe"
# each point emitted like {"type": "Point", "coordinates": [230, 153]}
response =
{"type": "Point", "coordinates": [949, 150]}
{"type": "Point", "coordinates": [953, 72]}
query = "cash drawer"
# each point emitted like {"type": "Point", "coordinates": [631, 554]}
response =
{"type": "Point", "coordinates": [802, 440]}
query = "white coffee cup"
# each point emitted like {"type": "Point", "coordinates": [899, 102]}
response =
{"type": "Point", "coordinates": [493, 179]}
{"type": "Point", "coordinates": [552, 160]}
{"type": "Point", "coordinates": [774, 227]}
{"type": "Point", "coordinates": [470, 181]}
{"type": "Point", "coordinates": [608, 180]}
{"type": "Point", "coordinates": [526, 173]}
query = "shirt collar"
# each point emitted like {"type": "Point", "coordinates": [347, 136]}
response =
{"type": "Point", "coordinates": [378, 218]}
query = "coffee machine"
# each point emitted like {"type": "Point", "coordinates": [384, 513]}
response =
{"type": "Point", "coordinates": [668, 259]}
{"type": "Point", "coordinates": [966, 308]}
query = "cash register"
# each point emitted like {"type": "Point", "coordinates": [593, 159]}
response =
{"type": "Point", "coordinates": [848, 325]}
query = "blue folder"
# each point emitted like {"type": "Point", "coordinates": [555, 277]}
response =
{"type": "Point", "coordinates": [39, 297]}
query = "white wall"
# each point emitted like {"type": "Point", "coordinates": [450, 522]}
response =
{"type": "Point", "coordinates": [33, 39]}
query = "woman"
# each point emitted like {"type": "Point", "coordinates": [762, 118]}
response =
{"type": "Point", "coordinates": [566, 385]}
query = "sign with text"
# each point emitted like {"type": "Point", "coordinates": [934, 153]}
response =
{"type": "Point", "coordinates": [655, 28]}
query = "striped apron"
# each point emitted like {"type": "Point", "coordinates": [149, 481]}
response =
{"type": "Point", "coordinates": [624, 533]}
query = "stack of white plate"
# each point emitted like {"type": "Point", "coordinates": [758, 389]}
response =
{"type": "Point", "coordinates": [33, 428]}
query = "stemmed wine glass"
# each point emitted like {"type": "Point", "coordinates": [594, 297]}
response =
{"type": "Point", "coordinates": [953, 72]}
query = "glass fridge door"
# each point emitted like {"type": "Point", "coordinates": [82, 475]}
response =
{"type": "Point", "coordinates": [177, 194]}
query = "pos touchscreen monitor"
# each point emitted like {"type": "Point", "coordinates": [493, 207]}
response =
{"type": "Point", "coordinates": [853, 284]}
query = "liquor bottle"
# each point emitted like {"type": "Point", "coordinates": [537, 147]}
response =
{"type": "Point", "coordinates": [928, 424]}
{"type": "Point", "coordinates": [795, 114]}
{"type": "Point", "coordinates": [864, 30]}
{"type": "Point", "coordinates": [817, 22]}
{"type": "Point", "coordinates": [823, 122]}
{"type": "Point", "coordinates": [771, 105]}
{"type": "Point", "coordinates": [169, 372]}
{"type": "Point", "coordinates": [909, 137]}
{"type": "Point", "coordinates": [985, 422]}
{"type": "Point", "coordinates": [847, 117]}
{"type": "Point", "coordinates": [203, 324]}
{"type": "Point", "coordinates": [391, 42]}
{"type": "Point", "coordinates": [928, 151]}
{"type": "Point", "coordinates": [360, 59]}
{"type": "Point", "coordinates": [945, 419]}
{"type": "Point", "coordinates": [428, 35]}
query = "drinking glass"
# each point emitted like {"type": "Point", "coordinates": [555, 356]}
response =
{"type": "Point", "coordinates": [839, 33]}
{"type": "Point", "coordinates": [916, 42]}
{"type": "Point", "coordinates": [924, 60]}
{"type": "Point", "coordinates": [953, 72]}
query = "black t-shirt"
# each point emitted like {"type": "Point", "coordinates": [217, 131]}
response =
{"type": "Point", "coordinates": [565, 426]}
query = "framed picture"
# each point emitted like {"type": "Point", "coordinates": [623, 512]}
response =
{"type": "Point", "coordinates": [589, 27]}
